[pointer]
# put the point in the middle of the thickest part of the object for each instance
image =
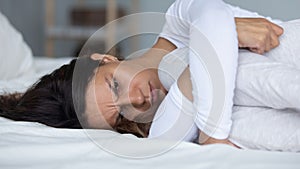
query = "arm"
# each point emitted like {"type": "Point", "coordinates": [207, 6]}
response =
{"type": "Point", "coordinates": [185, 86]}
{"type": "Point", "coordinates": [164, 46]}
{"type": "Point", "coordinates": [222, 139]}
{"type": "Point", "coordinates": [258, 29]}
{"type": "Point", "coordinates": [256, 34]}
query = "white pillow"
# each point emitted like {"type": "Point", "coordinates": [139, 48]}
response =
{"type": "Point", "coordinates": [267, 111]}
{"type": "Point", "coordinates": [16, 56]}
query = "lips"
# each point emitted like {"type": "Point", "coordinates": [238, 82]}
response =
{"type": "Point", "coordinates": [153, 92]}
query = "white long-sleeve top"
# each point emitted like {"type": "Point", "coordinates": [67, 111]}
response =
{"type": "Point", "coordinates": [205, 36]}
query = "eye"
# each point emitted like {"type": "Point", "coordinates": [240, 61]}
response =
{"type": "Point", "coordinates": [115, 87]}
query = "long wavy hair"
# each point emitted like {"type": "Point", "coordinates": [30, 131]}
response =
{"type": "Point", "coordinates": [52, 98]}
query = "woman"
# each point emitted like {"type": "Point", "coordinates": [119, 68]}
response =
{"type": "Point", "coordinates": [101, 95]}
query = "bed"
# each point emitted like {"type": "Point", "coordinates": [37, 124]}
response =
{"type": "Point", "coordinates": [34, 145]}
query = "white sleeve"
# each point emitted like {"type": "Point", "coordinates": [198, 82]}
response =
{"type": "Point", "coordinates": [212, 37]}
{"type": "Point", "coordinates": [213, 62]}
{"type": "Point", "coordinates": [175, 30]}
{"type": "Point", "coordinates": [176, 27]}
{"type": "Point", "coordinates": [174, 120]}
{"type": "Point", "coordinates": [243, 13]}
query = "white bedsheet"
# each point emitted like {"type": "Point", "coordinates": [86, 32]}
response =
{"type": "Point", "coordinates": [33, 145]}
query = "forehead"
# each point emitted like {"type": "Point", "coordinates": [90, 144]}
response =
{"type": "Point", "coordinates": [99, 99]}
{"type": "Point", "coordinates": [102, 81]}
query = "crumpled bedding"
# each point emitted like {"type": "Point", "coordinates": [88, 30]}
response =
{"type": "Point", "coordinates": [33, 145]}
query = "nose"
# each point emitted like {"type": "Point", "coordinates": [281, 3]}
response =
{"type": "Point", "coordinates": [137, 98]}
{"type": "Point", "coordinates": [134, 97]}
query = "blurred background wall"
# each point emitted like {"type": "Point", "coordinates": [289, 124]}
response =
{"type": "Point", "coordinates": [284, 10]}
{"type": "Point", "coordinates": [28, 16]}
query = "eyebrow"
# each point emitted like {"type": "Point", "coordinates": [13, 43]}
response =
{"type": "Point", "coordinates": [107, 82]}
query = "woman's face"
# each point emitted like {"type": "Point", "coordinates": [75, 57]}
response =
{"type": "Point", "coordinates": [123, 87]}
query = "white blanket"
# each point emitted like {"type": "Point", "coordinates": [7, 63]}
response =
{"type": "Point", "coordinates": [34, 146]}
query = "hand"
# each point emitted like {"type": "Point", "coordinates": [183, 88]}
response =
{"type": "Point", "coordinates": [211, 140]}
{"type": "Point", "coordinates": [257, 34]}
{"type": "Point", "coordinates": [205, 140]}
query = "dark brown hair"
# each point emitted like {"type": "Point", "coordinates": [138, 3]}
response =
{"type": "Point", "coordinates": [55, 98]}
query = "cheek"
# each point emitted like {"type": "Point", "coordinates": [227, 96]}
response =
{"type": "Point", "coordinates": [98, 122]}
{"type": "Point", "coordinates": [142, 78]}
{"type": "Point", "coordinates": [107, 115]}
{"type": "Point", "coordinates": [147, 74]}
{"type": "Point", "coordinates": [111, 117]}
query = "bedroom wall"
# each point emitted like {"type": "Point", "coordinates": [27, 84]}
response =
{"type": "Point", "coordinates": [284, 10]}
{"type": "Point", "coordinates": [28, 17]}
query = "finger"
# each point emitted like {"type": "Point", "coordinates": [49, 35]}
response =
{"type": "Point", "coordinates": [260, 45]}
{"type": "Point", "coordinates": [268, 47]}
{"type": "Point", "coordinates": [111, 57]}
{"type": "Point", "coordinates": [97, 56]}
{"type": "Point", "coordinates": [274, 40]}
{"type": "Point", "coordinates": [268, 43]}
{"type": "Point", "coordinates": [257, 50]}
{"type": "Point", "coordinates": [277, 29]}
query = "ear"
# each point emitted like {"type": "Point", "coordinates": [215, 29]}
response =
{"type": "Point", "coordinates": [104, 58]}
